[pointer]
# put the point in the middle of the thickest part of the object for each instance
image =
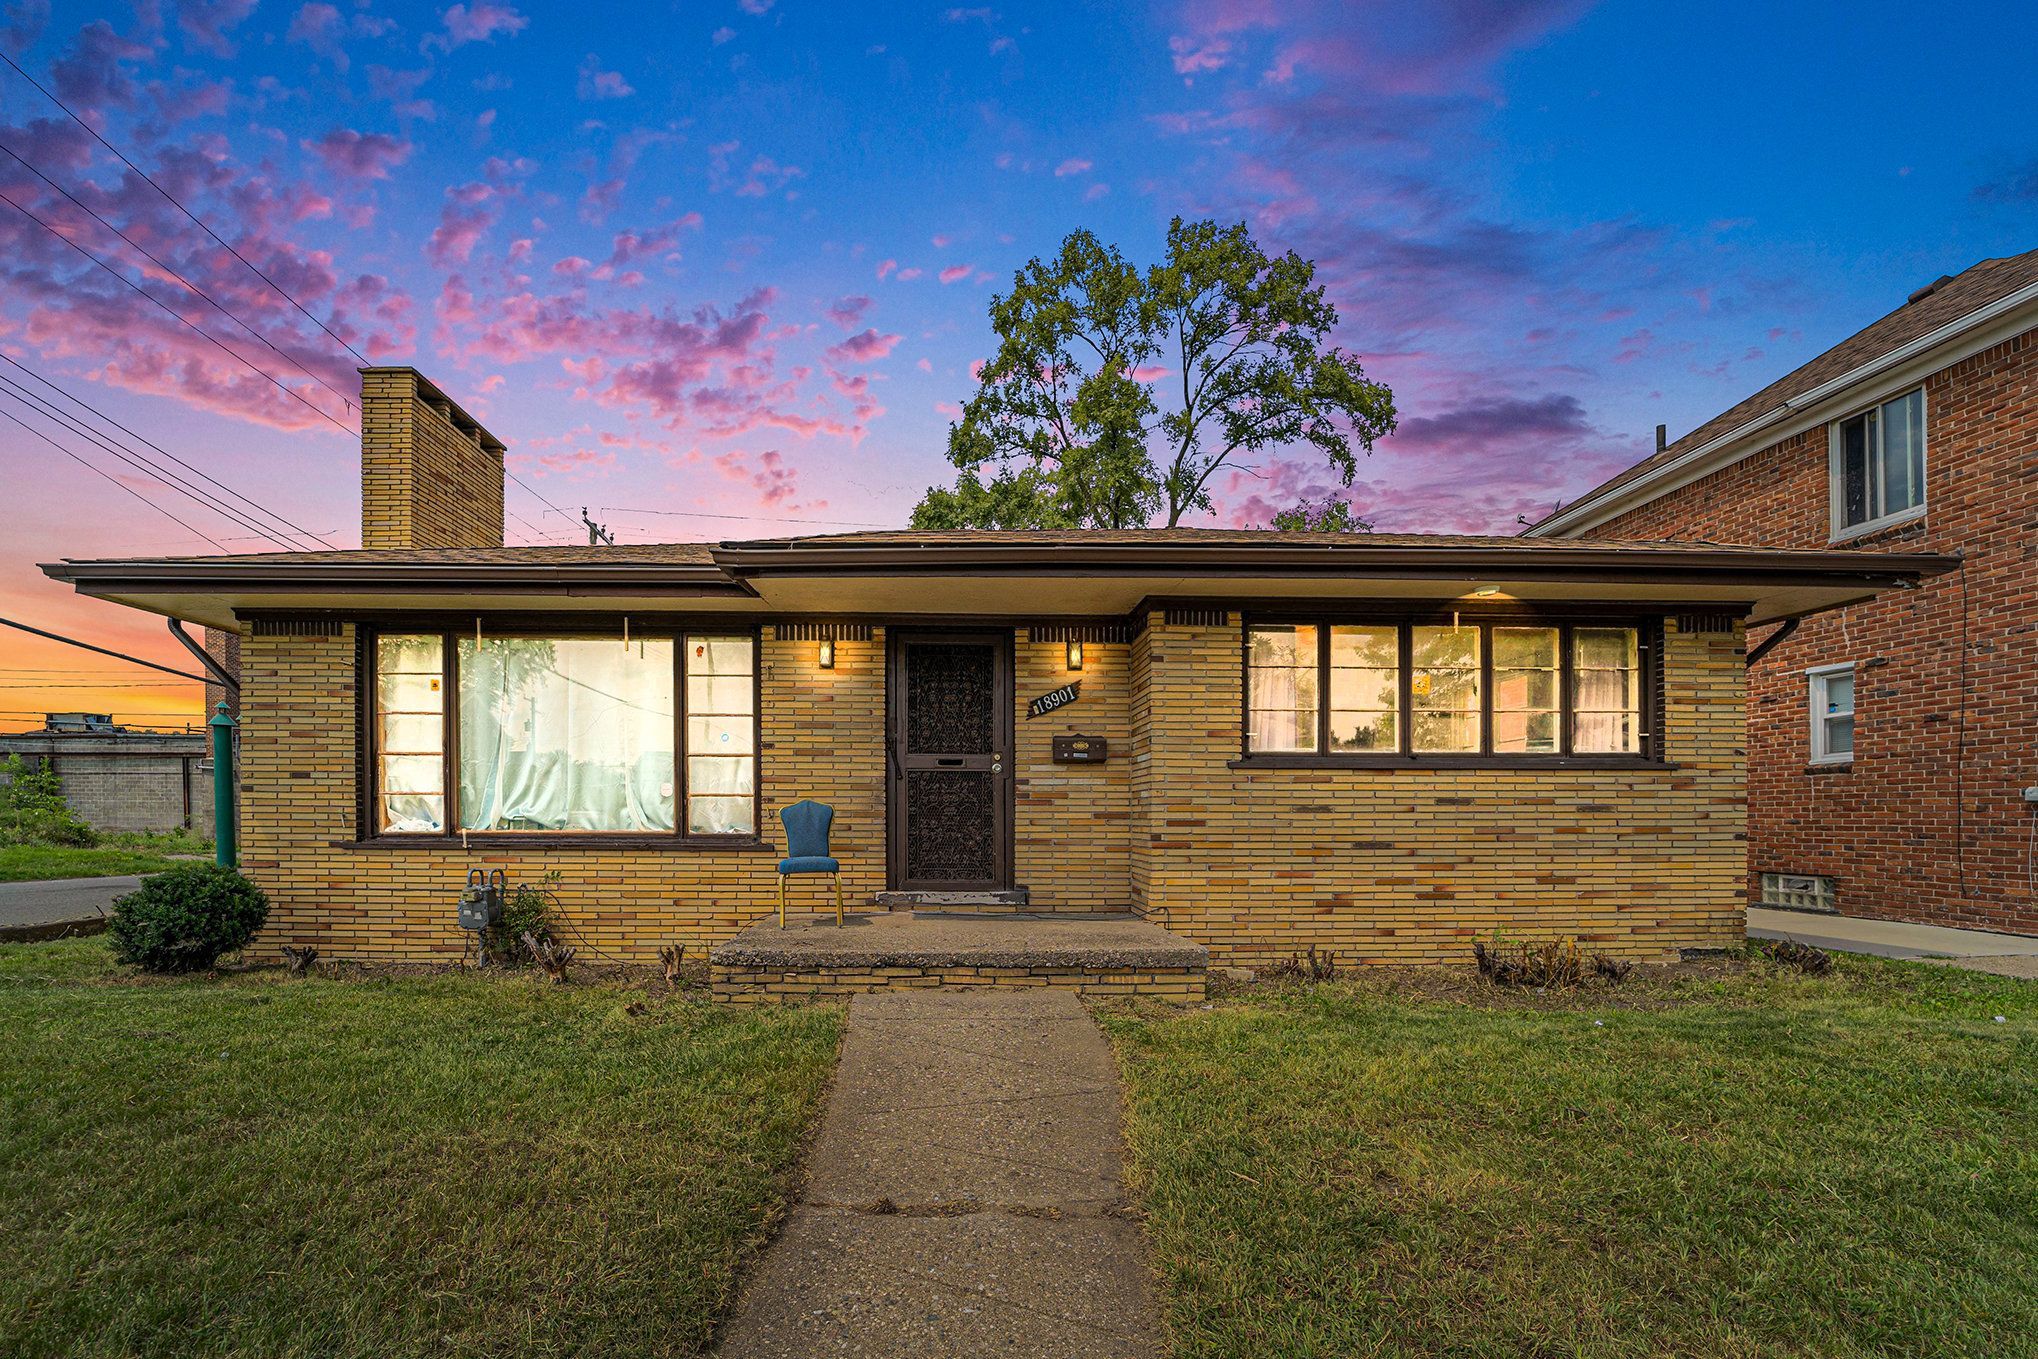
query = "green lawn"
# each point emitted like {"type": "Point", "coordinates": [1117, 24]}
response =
{"type": "Point", "coordinates": [415, 1165]}
{"type": "Point", "coordinates": [1740, 1163]}
{"type": "Point", "coordinates": [116, 855]}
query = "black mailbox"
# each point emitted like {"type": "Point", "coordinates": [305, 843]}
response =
{"type": "Point", "coordinates": [1081, 750]}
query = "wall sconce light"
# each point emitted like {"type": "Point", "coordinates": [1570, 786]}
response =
{"type": "Point", "coordinates": [1075, 653]}
{"type": "Point", "coordinates": [827, 653]}
{"type": "Point", "coordinates": [1486, 592]}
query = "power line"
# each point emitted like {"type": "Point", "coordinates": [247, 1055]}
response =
{"type": "Point", "coordinates": [169, 479]}
{"type": "Point", "coordinates": [88, 407]}
{"type": "Point", "coordinates": [103, 651]}
{"type": "Point", "coordinates": [541, 499]}
{"type": "Point", "coordinates": [166, 268]}
{"type": "Point", "coordinates": [188, 528]}
{"type": "Point", "coordinates": [181, 208]}
{"type": "Point", "coordinates": [203, 334]}
{"type": "Point", "coordinates": [753, 518]}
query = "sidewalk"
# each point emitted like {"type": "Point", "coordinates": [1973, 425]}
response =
{"type": "Point", "coordinates": [2008, 955]}
{"type": "Point", "coordinates": [44, 908]}
{"type": "Point", "coordinates": [964, 1194]}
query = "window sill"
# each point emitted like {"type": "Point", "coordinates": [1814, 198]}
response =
{"type": "Point", "coordinates": [1830, 767]}
{"type": "Point", "coordinates": [1423, 763]}
{"type": "Point", "coordinates": [547, 840]}
{"type": "Point", "coordinates": [1856, 532]}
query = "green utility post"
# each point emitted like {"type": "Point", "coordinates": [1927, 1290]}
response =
{"type": "Point", "coordinates": [226, 849]}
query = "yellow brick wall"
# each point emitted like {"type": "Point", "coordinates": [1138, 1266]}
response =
{"type": "Point", "coordinates": [1072, 822]}
{"type": "Point", "coordinates": [424, 483]}
{"type": "Point", "coordinates": [822, 734]}
{"type": "Point", "coordinates": [1412, 866]}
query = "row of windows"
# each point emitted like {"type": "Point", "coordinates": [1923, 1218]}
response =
{"type": "Point", "coordinates": [1362, 689]}
{"type": "Point", "coordinates": [565, 734]}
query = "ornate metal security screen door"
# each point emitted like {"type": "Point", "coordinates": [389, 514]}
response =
{"type": "Point", "coordinates": [949, 743]}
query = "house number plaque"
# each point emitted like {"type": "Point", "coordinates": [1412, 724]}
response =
{"type": "Point", "coordinates": [1054, 698]}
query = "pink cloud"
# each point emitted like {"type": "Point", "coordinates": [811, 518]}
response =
{"type": "Point", "coordinates": [767, 473]}
{"type": "Point", "coordinates": [865, 347]}
{"type": "Point", "coordinates": [206, 23]}
{"type": "Point", "coordinates": [956, 272]}
{"type": "Point", "coordinates": [1071, 166]}
{"type": "Point", "coordinates": [359, 155]}
{"type": "Point", "coordinates": [597, 84]}
{"type": "Point", "coordinates": [848, 311]}
{"type": "Point", "coordinates": [478, 22]}
{"type": "Point", "coordinates": [886, 267]}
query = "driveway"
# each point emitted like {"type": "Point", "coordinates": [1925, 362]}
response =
{"type": "Point", "coordinates": [2007, 955]}
{"type": "Point", "coordinates": [60, 899]}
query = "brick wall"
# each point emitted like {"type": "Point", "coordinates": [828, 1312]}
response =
{"type": "Point", "coordinates": [127, 783]}
{"type": "Point", "coordinates": [1072, 822]}
{"type": "Point", "coordinates": [822, 734]}
{"type": "Point", "coordinates": [1928, 821]}
{"type": "Point", "coordinates": [1412, 866]}
{"type": "Point", "coordinates": [430, 476]}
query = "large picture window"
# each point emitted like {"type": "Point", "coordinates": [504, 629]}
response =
{"type": "Point", "coordinates": [653, 736]}
{"type": "Point", "coordinates": [1495, 690]}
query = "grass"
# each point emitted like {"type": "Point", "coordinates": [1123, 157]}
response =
{"type": "Point", "coordinates": [1740, 1162]}
{"type": "Point", "coordinates": [382, 1166]}
{"type": "Point", "coordinates": [115, 855]}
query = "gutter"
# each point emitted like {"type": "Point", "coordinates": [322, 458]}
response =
{"type": "Point", "coordinates": [1510, 562]}
{"type": "Point", "coordinates": [399, 577]}
{"type": "Point", "coordinates": [1572, 513]}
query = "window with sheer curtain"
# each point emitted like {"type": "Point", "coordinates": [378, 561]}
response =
{"type": "Point", "coordinates": [566, 734]}
{"type": "Point", "coordinates": [1471, 688]}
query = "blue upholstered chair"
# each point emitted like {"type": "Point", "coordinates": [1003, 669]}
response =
{"type": "Point", "coordinates": [806, 847]}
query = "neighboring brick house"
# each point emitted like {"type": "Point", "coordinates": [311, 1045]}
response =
{"type": "Point", "coordinates": [1386, 746]}
{"type": "Point", "coordinates": [1890, 742]}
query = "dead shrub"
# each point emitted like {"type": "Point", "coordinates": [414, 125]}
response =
{"type": "Point", "coordinates": [299, 960]}
{"type": "Point", "coordinates": [553, 958]}
{"type": "Point", "coordinates": [1313, 966]}
{"type": "Point", "coordinates": [1553, 966]}
{"type": "Point", "coordinates": [1813, 962]}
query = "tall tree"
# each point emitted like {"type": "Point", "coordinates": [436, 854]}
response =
{"type": "Point", "coordinates": [1328, 515]}
{"type": "Point", "coordinates": [1071, 425]}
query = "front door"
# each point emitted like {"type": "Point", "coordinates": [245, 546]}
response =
{"type": "Point", "coordinates": [949, 744]}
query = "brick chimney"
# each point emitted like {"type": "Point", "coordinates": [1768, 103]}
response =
{"type": "Point", "coordinates": [431, 476]}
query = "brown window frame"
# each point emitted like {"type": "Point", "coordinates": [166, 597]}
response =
{"type": "Point", "coordinates": [1649, 630]}
{"type": "Point", "coordinates": [368, 833]}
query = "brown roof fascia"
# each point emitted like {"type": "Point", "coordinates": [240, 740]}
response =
{"type": "Point", "coordinates": [400, 578]}
{"type": "Point", "coordinates": [1641, 563]}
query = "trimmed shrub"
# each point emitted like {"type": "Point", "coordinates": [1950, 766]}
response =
{"type": "Point", "coordinates": [184, 919]}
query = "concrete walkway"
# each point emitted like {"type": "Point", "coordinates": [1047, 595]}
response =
{"type": "Point", "coordinates": [964, 1196]}
{"type": "Point", "coordinates": [2009, 955]}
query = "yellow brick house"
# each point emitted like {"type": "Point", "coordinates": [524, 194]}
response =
{"type": "Point", "coordinates": [1386, 746]}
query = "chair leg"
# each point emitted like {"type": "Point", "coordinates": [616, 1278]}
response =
{"type": "Point", "coordinates": [838, 899]}
{"type": "Point", "coordinates": [781, 901]}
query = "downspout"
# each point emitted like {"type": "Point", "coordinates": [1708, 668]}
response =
{"type": "Point", "coordinates": [228, 682]}
{"type": "Point", "coordinates": [1769, 643]}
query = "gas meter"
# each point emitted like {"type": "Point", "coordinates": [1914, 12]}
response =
{"type": "Point", "coordinates": [481, 903]}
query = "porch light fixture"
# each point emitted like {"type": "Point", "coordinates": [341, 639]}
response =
{"type": "Point", "coordinates": [1486, 592]}
{"type": "Point", "coordinates": [1075, 653]}
{"type": "Point", "coordinates": [827, 653]}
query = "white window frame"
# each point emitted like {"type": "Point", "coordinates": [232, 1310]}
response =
{"type": "Point", "coordinates": [1836, 491]}
{"type": "Point", "coordinates": [1816, 680]}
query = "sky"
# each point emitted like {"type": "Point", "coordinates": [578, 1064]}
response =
{"type": "Point", "coordinates": [721, 270]}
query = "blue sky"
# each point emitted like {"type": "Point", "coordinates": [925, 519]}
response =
{"type": "Point", "coordinates": [734, 258]}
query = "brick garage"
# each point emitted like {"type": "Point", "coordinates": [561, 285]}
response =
{"type": "Point", "coordinates": [1927, 822]}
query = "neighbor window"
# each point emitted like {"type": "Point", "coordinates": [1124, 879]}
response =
{"type": "Point", "coordinates": [1878, 464]}
{"type": "Point", "coordinates": [1468, 689]}
{"type": "Point", "coordinates": [1832, 713]}
{"type": "Point", "coordinates": [566, 734]}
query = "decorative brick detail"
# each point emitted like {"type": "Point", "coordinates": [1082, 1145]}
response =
{"type": "Point", "coordinates": [765, 986]}
{"type": "Point", "coordinates": [1410, 865]}
{"type": "Point", "coordinates": [1928, 823]}
{"type": "Point", "coordinates": [430, 476]}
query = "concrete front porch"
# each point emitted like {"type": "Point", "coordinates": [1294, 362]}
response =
{"type": "Point", "coordinates": [1095, 955]}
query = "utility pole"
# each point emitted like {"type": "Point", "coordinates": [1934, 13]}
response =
{"type": "Point", "coordinates": [598, 535]}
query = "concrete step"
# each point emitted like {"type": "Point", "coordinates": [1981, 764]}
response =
{"type": "Point", "coordinates": [1010, 899]}
{"type": "Point", "coordinates": [814, 959]}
